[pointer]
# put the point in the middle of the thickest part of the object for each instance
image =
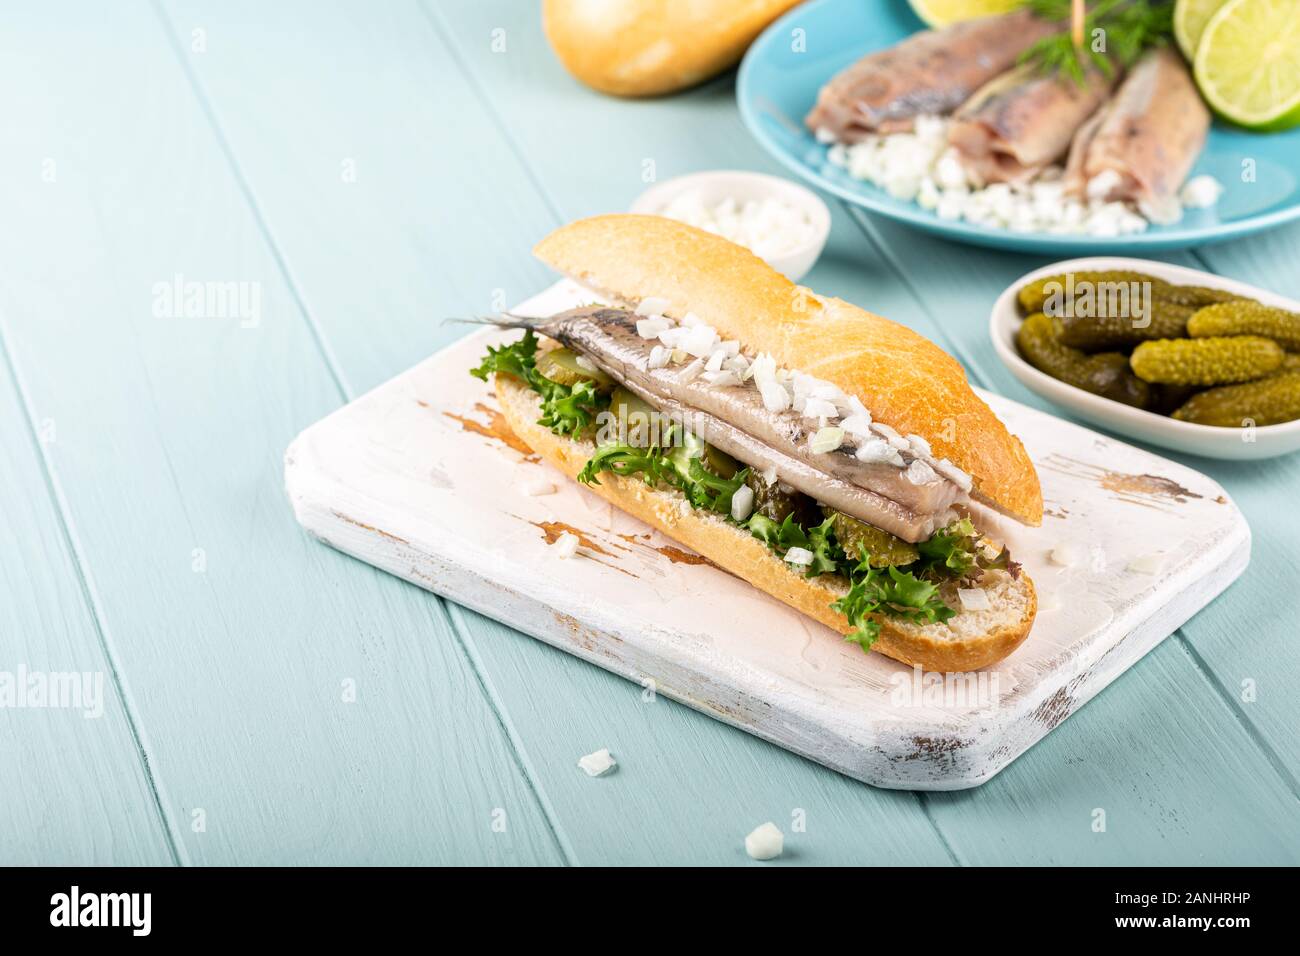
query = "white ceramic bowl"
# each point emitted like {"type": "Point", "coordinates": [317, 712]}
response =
{"type": "Point", "coordinates": [717, 185]}
{"type": "Point", "coordinates": [1233, 443]}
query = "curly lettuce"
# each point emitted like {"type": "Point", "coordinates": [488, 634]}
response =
{"type": "Point", "coordinates": [566, 409]}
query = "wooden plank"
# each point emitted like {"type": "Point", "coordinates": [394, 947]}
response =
{"type": "Point", "coordinates": [1165, 763]}
{"type": "Point", "coordinates": [242, 641]}
{"type": "Point", "coordinates": [694, 787]}
{"type": "Point", "coordinates": [76, 789]}
{"type": "Point", "coordinates": [926, 283]}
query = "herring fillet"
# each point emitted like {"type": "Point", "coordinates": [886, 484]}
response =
{"type": "Point", "coordinates": [1149, 137]}
{"type": "Point", "coordinates": [736, 421]}
{"type": "Point", "coordinates": [1020, 122]}
{"type": "Point", "coordinates": [931, 72]}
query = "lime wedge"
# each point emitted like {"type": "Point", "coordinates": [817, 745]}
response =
{"type": "Point", "coordinates": [940, 13]}
{"type": "Point", "coordinates": [1190, 19]}
{"type": "Point", "coordinates": [1248, 63]}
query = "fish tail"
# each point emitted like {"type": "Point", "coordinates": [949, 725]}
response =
{"type": "Point", "coordinates": [504, 320]}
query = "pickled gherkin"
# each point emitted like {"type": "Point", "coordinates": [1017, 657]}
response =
{"type": "Point", "coordinates": [859, 539]}
{"type": "Point", "coordinates": [562, 366]}
{"type": "Point", "coordinates": [1034, 295]}
{"type": "Point", "coordinates": [1270, 401]}
{"type": "Point", "coordinates": [1163, 320]}
{"type": "Point", "coordinates": [634, 422]}
{"type": "Point", "coordinates": [777, 501]}
{"type": "Point", "coordinates": [1247, 318]}
{"type": "Point", "coordinates": [1165, 398]}
{"type": "Point", "coordinates": [1106, 374]}
{"type": "Point", "coordinates": [1211, 361]}
{"type": "Point", "coordinates": [1194, 295]}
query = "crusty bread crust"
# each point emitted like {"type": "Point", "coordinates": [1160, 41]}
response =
{"type": "Point", "coordinates": [903, 378]}
{"type": "Point", "coordinates": [649, 47]}
{"type": "Point", "coordinates": [969, 641]}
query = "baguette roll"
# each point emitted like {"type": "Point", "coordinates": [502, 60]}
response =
{"type": "Point", "coordinates": [904, 381]}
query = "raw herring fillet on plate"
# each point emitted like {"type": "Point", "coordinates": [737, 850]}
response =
{"type": "Point", "coordinates": [1144, 141]}
{"type": "Point", "coordinates": [929, 73]}
{"type": "Point", "coordinates": [1020, 122]}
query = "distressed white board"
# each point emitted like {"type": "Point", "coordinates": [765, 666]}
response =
{"type": "Point", "coordinates": [419, 478]}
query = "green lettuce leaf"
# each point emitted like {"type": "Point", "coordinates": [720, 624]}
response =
{"type": "Point", "coordinates": [566, 410]}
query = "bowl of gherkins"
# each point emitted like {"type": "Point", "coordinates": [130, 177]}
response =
{"type": "Point", "coordinates": [1173, 356]}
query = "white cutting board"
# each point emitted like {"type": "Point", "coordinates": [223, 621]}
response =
{"type": "Point", "coordinates": [420, 478]}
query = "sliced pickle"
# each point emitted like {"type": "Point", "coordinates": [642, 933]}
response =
{"type": "Point", "coordinates": [634, 421]}
{"type": "Point", "coordinates": [720, 463]}
{"type": "Point", "coordinates": [561, 366]}
{"type": "Point", "coordinates": [881, 547]}
{"type": "Point", "coordinates": [777, 501]}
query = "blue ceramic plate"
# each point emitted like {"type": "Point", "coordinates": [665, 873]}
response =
{"type": "Point", "coordinates": [777, 86]}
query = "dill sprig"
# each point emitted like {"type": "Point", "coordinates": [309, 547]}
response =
{"type": "Point", "coordinates": [1129, 27]}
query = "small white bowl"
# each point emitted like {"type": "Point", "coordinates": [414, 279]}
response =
{"type": "Point", "coordinates": [1242, 444]}
{"type": "Point", "coordinates": [717, 185]}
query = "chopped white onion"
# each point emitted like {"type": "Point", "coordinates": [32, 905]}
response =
{"type": "Point", "coordinates": [819, 408]}
{"type": "Point", "coordinates": [768, 475]}
{"type": "Point", "coordinates": [765, 842]}
{"type": "Point", "coordinates": [742, 503]}
{"type": "Point", "coordinates": [652, 306]}
{"type": "Point", "coordinates": [672, 336]}
{"type": "Point", "coordinates": [775, 397]}
{"type": "Point", "coordinates": [722, 379]}
{"type": "Point", "coordinates": [893, 437]}
{"type": "Point", "coordinates": [919, 445]}
{"type": "Point", "coordinates": [954, 474]}
{"type": "Point", "coordinates": [919, 473]}
{"type": "Point", "coordinates": [974, 599]}
{"type": "Point", "coordinates": [731, 347]}
{"type": "Point", "coordinates": [700, 341]}
{"type": "Point", "coordinates": [598, 763]}
{"type": "Point", "coordinates": [566, 545]}
{"type": "Point", "coordinates": [828, 392]}
{"type": "Point", "coordinates": [876, 450]}
{"type": "Point", "coordinates": [857, 408]}
{"type": "Point", "coordinates": [826, 439]}
{"type": "Point", "coordinates": [692, 371]}
{"type": "Point", "coordinates": [857, 425]}
{"type": "Point", "coordinates": [800, 556]}
{"type": "Point", "coordinates": [652, 327]}
{"type": "Point", "coordinates": [715, 360]}
{"type": "Point", "coordinates": [659, 357]}
{"type": "Point", "coordinates": [691, 320]}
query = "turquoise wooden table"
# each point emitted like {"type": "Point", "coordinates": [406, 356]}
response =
{"type": "Point", "coordinates": [358, 172]}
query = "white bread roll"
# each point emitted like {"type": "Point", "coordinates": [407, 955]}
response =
{"type": "Point", "coordinates": [650, 47]}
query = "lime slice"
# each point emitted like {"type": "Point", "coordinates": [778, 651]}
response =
{"type": "Point", "coordinates": [940, 13]}
{"type": "Point", "coordinates": [1248, 63]}
{"type": "Point", "coordinates": [1190, 19]}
